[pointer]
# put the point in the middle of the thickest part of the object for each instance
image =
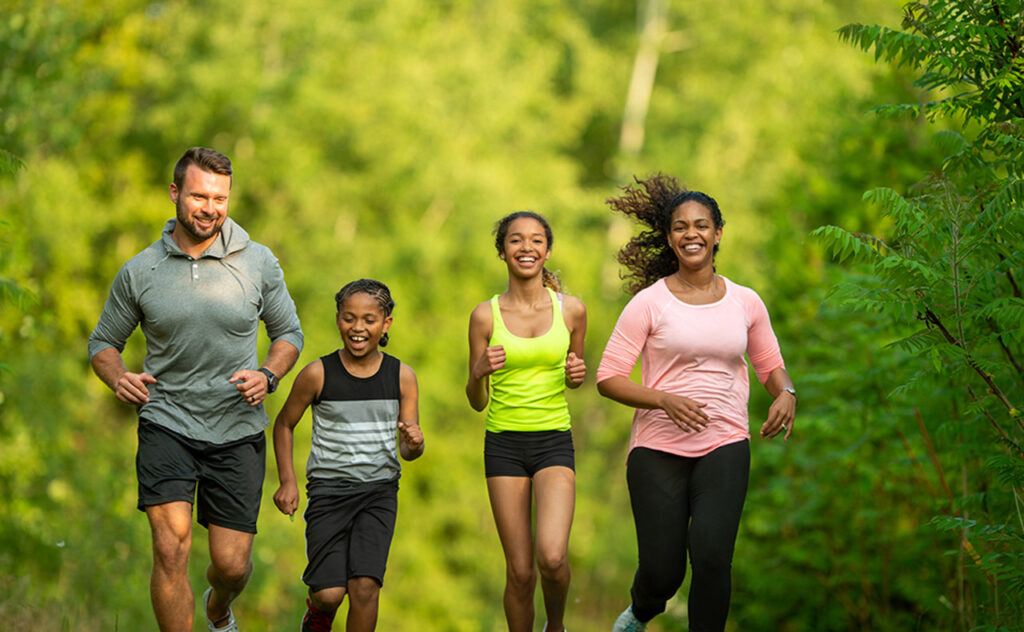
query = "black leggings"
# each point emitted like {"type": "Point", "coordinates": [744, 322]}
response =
{"type": "Point", "coordinates": [685, 504]}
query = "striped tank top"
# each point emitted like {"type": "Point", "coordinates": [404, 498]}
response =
{"type": "Point", "coordinates": [528, 393]}
{"type": "Point", "coordinates": [355, 424]}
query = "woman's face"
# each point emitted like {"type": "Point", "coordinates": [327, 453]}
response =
{"type": "Point", "coordinates": [526, 247]}
{"type": "Point", "coordinates": [692, 235]}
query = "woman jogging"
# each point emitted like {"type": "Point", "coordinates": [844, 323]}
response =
{"type": "Point", "coordinates": [689, 449]}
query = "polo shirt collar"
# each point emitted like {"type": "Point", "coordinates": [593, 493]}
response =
{"type": "Point", "coordinates": [232, 238]}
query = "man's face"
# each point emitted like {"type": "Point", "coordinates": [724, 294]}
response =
{"type": "Point", "coordinates": [202, 203]}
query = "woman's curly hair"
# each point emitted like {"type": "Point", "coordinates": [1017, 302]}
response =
{"type": "Point", "coordinates": [651, 202]}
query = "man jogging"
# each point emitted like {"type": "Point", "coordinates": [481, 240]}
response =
{"type": "Point", "coordinates": [199, 293]}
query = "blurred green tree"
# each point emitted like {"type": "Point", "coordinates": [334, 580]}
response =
{"type": "Point", "coordinates": [950, 259]}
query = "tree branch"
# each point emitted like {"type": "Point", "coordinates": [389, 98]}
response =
{"type": "Point", "coordinates": [932, 318]}
{"type": "Point", "coordinates": [1006, 350]}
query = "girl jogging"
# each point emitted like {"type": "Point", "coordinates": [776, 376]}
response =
{"type": "Point", "coordinates": [364, 415]}
{"type": "Point", "coordinates": [525, 348]}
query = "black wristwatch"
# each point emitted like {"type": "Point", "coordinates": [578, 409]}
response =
{"type": "Point", "coordinates": [271, 379]}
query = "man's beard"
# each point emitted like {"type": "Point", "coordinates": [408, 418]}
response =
{"type": "Point", "coordinates": [191, 228]}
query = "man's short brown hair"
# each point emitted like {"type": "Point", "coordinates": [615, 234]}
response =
{"type": "Point", "coordinates": [206, 159]}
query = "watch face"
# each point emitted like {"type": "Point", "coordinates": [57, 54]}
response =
{"type": "Point", "coordinates": [271, 380]}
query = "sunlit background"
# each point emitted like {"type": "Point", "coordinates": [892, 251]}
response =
{"type": "Point", "coordinates": [384, 139]}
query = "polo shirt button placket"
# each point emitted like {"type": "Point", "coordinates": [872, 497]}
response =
{"type": "Point", "coordinates": [195, 271]}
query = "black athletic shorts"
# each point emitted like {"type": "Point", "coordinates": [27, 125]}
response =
{"type": "Point", "coordinates": [230, 475]}
{"type": "Point", "coordinates": [348, 531]}
{"type": "Point", "coordinates": [513, 453]}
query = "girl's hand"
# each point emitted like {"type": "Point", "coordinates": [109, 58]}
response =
{"type": "Point", "coordinates": [411, 434]}
{"type": "Point", "coordinates": [287, 498]}
{"type": "Point", "coordinates": [575, 370]}
{"type": "Point", "coordinates": [492, 359]}
{"type": "Point", "coordinates": [685, 412]}
{"type": "Point", "coordinates": [781, 415]}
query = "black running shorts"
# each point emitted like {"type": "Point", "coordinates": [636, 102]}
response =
{"type": "Point", "coordinates": [348, 532]}
{"type": "Point", "coordinates": [229, 475]}
{"type": "Point", "coordinates": [513, 453]}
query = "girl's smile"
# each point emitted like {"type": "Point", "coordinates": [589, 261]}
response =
{"type": "Point", "coordinates": [361, 324]}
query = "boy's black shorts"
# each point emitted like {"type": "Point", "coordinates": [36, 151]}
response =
{"type": "Point", "coordinates": [229, 475]}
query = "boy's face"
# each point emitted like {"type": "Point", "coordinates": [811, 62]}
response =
{"type": "Point", "coordinates": [361, 324]}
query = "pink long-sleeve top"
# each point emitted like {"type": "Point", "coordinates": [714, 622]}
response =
{"type": "Point", "coordinates": [695, 351]}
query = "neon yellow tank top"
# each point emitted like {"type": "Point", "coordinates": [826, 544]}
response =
{"type": "Point", "coordinates": [528, 393]}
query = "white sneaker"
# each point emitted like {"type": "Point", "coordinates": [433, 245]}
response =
{"type": "Point", "coordinates": [230, 627]}
{"type": "Point", "coordinates": [628, 623]}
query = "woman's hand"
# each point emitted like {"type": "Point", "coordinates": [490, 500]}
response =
{"type": "Point", "coordinates": [781, 415]}
{"type": "Point", "coordinates": [685, 412]}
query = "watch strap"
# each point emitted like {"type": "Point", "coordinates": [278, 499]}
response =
{"type": "Point", "coordinates": [271, 379]}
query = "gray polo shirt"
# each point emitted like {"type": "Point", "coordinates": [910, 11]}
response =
{"type": "Point", "coordinates": [200, 317]}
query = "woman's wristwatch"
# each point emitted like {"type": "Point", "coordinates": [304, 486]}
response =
{"type": "Point", "coordinates": [790, 389]}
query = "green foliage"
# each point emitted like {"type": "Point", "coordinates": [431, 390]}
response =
{"type": "Point", "coordinates": [384, 140]}
{"type": "Point", "coordinates": [951, 260]}
{"type": "Point", "coordinates": [969, 52]}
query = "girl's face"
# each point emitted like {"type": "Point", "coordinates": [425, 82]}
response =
{"type": "Point", "coordinates": [692, 235]}
{"type": "Point", "coordinates": [526, 247]}
{"type": "Point", "coordinates": [361, 323]}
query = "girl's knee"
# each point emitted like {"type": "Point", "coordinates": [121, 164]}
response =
{"type": "Point", "coordinates": [520, 579]}
{"type": "Point", "coordinates": [327, 600]}
{"type": "Point", "coordinates": [363, 591]}
{"type": "Point", "coordinates": [553, 563]}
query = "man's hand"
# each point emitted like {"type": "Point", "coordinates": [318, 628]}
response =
{"type": "Point", "coordinates": [131, 387]}
{"type": "Point", "coordinates": [251, 385]}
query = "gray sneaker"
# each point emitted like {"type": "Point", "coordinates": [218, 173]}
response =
{"type": "Point", "coordinates": [628, 623]}
{"type": "Point", "coordinates": [230, 627]}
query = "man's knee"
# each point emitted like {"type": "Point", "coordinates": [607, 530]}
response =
{"type": "Point", "coordinates": [230, 554]}
{"type": "Point", "coordinates": [172, 539]}
{"type": "Point", "coordinates": [232, 569]}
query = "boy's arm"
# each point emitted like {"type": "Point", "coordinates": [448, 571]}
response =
{"type": "Point", "coordinates": [410, 436]}
{"type": "Point", "coordinates": [305, 389]}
